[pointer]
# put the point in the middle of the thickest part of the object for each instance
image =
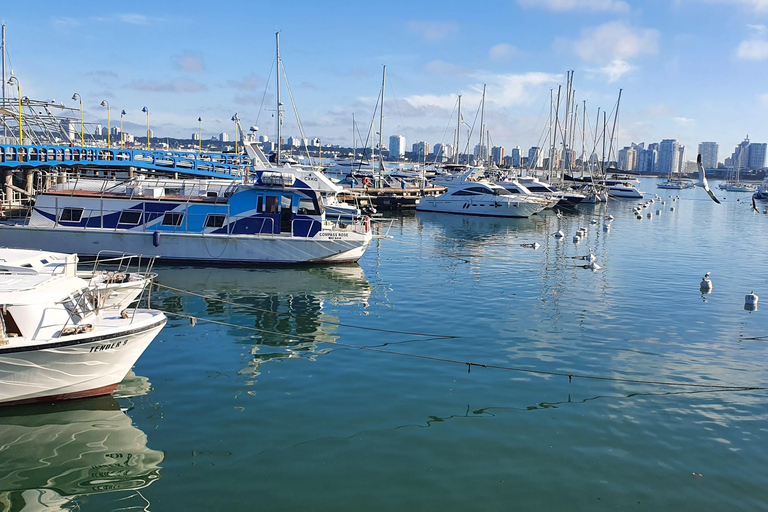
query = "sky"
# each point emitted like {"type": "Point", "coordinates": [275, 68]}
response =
{"type": "Point", "coordinates": [692, 70]}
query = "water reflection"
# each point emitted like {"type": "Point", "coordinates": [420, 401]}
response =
{"type": "Point", "coordinates": [283, 312]}
{"type": "Point", "coordinates": [52, 453]}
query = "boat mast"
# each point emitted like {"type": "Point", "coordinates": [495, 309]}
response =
{"type": "Point", "coordinates": [458, 134]}
{"type": "Point", "coordinates": [381, 121]}
{"type": "Point", "coordinates": [354, 141]}
{"type": "Point", "coordinates": [2, 48]}
{"type": "Point", "coordinates": [482, 126]}
{"type": "Point", "coordinates": [279, 103]}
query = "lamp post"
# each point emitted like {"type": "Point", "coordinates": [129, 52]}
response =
{"type": "Point", "coordinates": [121, 128]}
{"type": "Point", "coordinates": [21, 124]}
{"type": "Point", "coordinates": [105, 103]}
{"type": "Point", "coordinates": [82, 129]}
{"type": "Point", "coordinates": [200, 133]}
{"type": "Point", "coordinates": [237, 121]}
{"type": "Point", "coordinates": [145, 109]}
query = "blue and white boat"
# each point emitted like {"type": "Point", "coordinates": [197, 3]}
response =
{"type": "Point", "coordinates": [206, 221]}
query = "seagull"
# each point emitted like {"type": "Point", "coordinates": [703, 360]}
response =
{"type": "Point", "coordinates": [754, 207]}
{"type": "Point", "coordinates": [703, 180]}
{"type": "Point", "coordinates": [706, 283]}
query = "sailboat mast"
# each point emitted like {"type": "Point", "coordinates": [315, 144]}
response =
{"type": "Point", "coordinates": [3, 51]}
{"type": "Point", "coordinates": [279, 103]}
{"type": "Point", "coordinates": [354, 141]}
{"type": "Point", "coordinates": [381, 121]}
{"type": "Point", "coordinates": [458, 134]}
{"type": "Point", "coordinates": [482, 126]}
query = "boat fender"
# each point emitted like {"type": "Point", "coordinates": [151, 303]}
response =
{"type": "Point", "coordinates": [367, 224]}
{"type": "Point", "coordinates": [156, 239]}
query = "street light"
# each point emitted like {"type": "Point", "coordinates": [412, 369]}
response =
{"type": "Point", "coordinates": [237, 122]}
{"type": "Point", "coordinates": [105, 103]}
{"type": "Point", "coordinates": [200, 133]}
{"type": "Point", "coordinates": [121, 128]}
{"type": "Point", "coordinates": [145, 109]}
{"type": "Point", "coordinates": [82, 129]}
{"type": "Point", "coordinates": [18, 90]}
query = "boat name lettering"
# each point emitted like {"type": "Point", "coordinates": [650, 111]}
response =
{"type": "Point", "coordinates": [334, 235]}
{"type": "Point", "coordinates": [109, 346]}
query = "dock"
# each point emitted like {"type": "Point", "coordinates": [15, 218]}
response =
{"type": "Point", "coordinates": [389, 198]}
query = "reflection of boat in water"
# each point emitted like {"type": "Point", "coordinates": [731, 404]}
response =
{"type": "Point", "coordinates": [482, 228]}
{"type": "Point", "coordinates": [53, 453]}
{"type": "Point", "coordinates": [284, 312]}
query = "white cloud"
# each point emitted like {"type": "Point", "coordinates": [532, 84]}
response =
{"type": "Point", "coordinates": [615, 70]}
{"type": "Point", "coordinates": [189, 62]}
{"type": "Point", "coordinates": [615, 41]}
{"type": "Point", "coordinates": [684, 121]}
{"type": "Point", "coordinates": [754, 5]}
{"type": "Point", "coordinates": [756, 49]}
{"type": "Point", "coordinates": [433, 30]}
{"type": "Point", "coordinates": [179, 85]}
{"type": "Point", "coordinates": [133, 19]}
{"type": "Point", "coordinates": [763, 98]}
{"type": "Point", "coordinates": [580, 5]}
{"type": "Point", "coordinates": [502, 52]}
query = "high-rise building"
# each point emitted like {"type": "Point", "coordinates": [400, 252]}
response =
{"type": "Point", "coordinates": [628, 159]}
{"type": "Point", "coordinates": [497, 155]}
{"type": "Point", "coordinates": [708, 152]}
{"type": "Point", "coordinates": [442, 152]}
{"type": "Point", "coordinates": [421, 150]}
{"type": "Point", "coordinates": [757, 155]}
{"type": "Point", "coordinates": [681, 159]}
{"type": "Point", "coordinates": [669, 157]}
{"type": "Point", "coordinates": [516, 155]}
{"type": "Point", "coordinates": [396, 146]}
{"type": "Point", "coordinates": [647, 159]}
{"type": "Point", "coordinates": [224, 137]}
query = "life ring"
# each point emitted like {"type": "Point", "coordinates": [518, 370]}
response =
{"type": "Point", "coordinates": [366, 181]}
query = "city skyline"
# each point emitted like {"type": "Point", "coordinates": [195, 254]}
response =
{"type": "Point", "coordinates": [692, 70]}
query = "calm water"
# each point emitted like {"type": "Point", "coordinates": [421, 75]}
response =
{"type": "Point", "coordinates": [268, 403]}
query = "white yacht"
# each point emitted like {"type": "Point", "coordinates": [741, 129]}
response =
{"type": "Point", "coordinates": [466, 196]}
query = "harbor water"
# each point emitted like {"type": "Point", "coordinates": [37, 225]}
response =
{"type": "Point", "coordinates": [455, 368]}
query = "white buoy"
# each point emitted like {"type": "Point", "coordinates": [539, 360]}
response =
{"type": "Point", "coordinates": [593, 221]}
{"type": "Point", "coordinates": [594, 266]}
{"type": "Point", "coordinates": [671, 208]}
{"type": "Point", "coordinates": [650, 215]}
{"type": "Point", "coordinates": [750, 301]}
{"type": "Point", "coordinates": [606, 227]}
{"type": "Point", "coordinates": [558, 234]}
{"type": "Point", "coordinates": [576, 238]}
{"type": "Point", "coordinates": [610, 217]}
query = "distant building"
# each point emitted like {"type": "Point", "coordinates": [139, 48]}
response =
{"type": "Point", "coordinates": [708, 152]}
{"type": "Point", "coordinates": [669, 157]}
{"type": "Point", "coordinates": [516, 156]}
{"type": "Point", "coordinates": [647, 159]}
{"type": "Point", "coordinates": [628, 159]}
{"type": "Point", "coordinates": [757, 155]}
{"type": "Point", "coordinates": [497, 155]}
{"type": "Point", "coordinates": [535, 158]}
{"type": "Point", "coordinates": [315, 142]}
{"type": "Point", "coordinates": [442, 152]}
{"type": "Point", "coordinates": [263, 138]}
{"type": "Point", "coordinates": [196, 136]}
{"type": "Point", "coordinates": [421, 150]}
{"type": "Point", "coordinates": [396, 147]}
{"type": "Point", "coordinates": [224, 137]}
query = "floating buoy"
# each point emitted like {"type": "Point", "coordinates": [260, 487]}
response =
{"type": "Point", "coordinates": [671, 208]}
{"type": "Point", "coordinates": [594, 266]}
{"type": "Point", "coordinates": [610, 217]}
{"type": "Point", "coordinates": [658, 212]}
{"type": "Point", "coordinates": [606, 227]}
{"type": "Point", "coordinates": [750, 301]}
{"type": "Point", "coordinates": [593, 221]}
{"type": "Point", "coordinates": [534, 245]}
{"type": "Point", "coordinates": [650, 215]}
{"type": "Point", "coordinates": [706, 283]}
{"type": "Point", "coordinates": [558, 234]}
{"type": "Point", "coordinates": [576, 238]}
{"type": "Point", "coordinates": [639, 217]}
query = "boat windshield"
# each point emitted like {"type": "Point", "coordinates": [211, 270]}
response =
{"type": "Point", "coordinates": [501, 191]}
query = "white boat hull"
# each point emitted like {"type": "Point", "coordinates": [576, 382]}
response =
{"type": "Point", "coordinates": [75, 366]}
{"type": "Point", "coordinates": [500, 207]}
{"type": "Point", "coordinates": [327, 246]}
{"type": "Point", "coordinates": [629, 192]}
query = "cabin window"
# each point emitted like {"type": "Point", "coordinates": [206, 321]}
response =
{"type": "Point", "coordinates": [464, 193]}
{"type": "Point", "coordinates": [173, 191]}
{"type": "Point", "coordinates": [172, 219]}
{"type": "Point", "coordinates": [212, 194]}
{"type": "Point", "coordinates": [71, 215]}
{"type": "Point", "coordinates": [273, 204]}
{"type": "Point", "coordinates": [307, 207]}
{"type": "Point", "coordinates": [479, 190]}
{"type": "Point", "coordinates": [260, 204]}
{"type": "Point", "coordinates": [215, 220]}
{"type": "Point", "coordinates": [130, 217]}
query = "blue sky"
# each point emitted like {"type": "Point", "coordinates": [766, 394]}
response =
{"type": "Point", "coordinates": [694, 70]}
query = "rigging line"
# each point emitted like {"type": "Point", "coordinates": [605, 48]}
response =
{"type": "Point", "coordinates": [264, 96]}
{"type": "Point", "coordinates": [339, 324]}
{"type": "Point", "coordinates": [470, 364]}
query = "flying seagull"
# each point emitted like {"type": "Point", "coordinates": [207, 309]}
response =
{"type": "Point", "coordinates": [703, 180]}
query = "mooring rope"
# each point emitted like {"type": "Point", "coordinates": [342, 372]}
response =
{"type": "Point", "coordinates": [470, 364]}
